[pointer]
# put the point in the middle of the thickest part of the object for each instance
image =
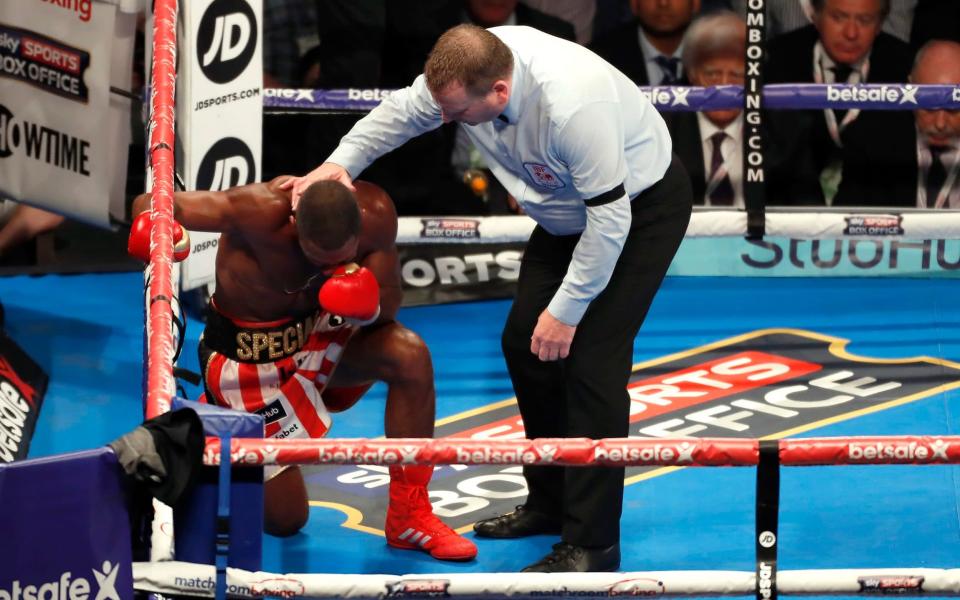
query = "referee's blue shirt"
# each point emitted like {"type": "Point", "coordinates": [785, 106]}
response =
{"type": "Point", "coordinates": [576, 141]}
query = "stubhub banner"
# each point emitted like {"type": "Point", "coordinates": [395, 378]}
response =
{"type": "Point", "coordinates": [449, 259]}
{"type": "Point", "coordinates": [789, 257]}
{"type": "Point", "coordinates": [439, 273]}
{"type": "Point", "coordinates": [66, 532]}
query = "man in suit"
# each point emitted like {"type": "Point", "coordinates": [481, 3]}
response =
{"type": "Point", "coordinates": [648, 50]}
{"type": "Point", "coordinates": [784, 16]}
{"type": "Point", "coordinates": [938, 131]}
{"type": "Point", "coordinates": [927, 173]}
{"type": "Point", "coordinates": [844, 45]}
{"type": "Point", "coordinates": [710, 143]}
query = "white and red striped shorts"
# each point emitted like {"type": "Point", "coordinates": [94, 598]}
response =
{"type": "Point", "coordinates": [278, 369]}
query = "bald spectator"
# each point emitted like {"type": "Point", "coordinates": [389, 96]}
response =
{"type": "Point", "coordinates": [710, 143]}
{"type": "Point", "coordinates": [844, 44]}
{"type": "Point", "coordinates": [938, 131]}
{"type": "Point", "coordinates": [926, 173]}
{"type": "Point", "coordinates": [648, 50]}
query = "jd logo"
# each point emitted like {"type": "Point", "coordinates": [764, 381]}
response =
{"type": "Point", "coordinates": [226, 39]}
{"type": "Point", "coordinates": [227, 163]}
{"type": "Point", "coordinates": [755, 385]}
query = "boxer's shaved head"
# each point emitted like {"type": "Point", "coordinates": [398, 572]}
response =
{"type": "Point", "coordinates": [328, 215]}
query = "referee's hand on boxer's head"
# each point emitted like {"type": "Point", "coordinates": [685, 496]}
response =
{"type": "Point", "coordinates": [298, 185]}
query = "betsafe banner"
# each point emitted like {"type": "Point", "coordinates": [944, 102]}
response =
{"type": "Point", "coordinates": [66, 530]}
{"type": "Point", "coordinates": [22, 387]}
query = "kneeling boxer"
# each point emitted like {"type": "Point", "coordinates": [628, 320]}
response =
{"type": "Point", "coordinates": [302, 323]}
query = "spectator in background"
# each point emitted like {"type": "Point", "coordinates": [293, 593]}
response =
{"type": "Point", "coordinates": [316, 44]}
{"type": "Point", "coordinates": [610, 14]}
{"type": "Point", "coordinates": [493, 13]}
{"type": "Point", "coordinates": [938, 131]}
{"type": "Point", "coordinates": [352, 34]}
{"type": "Point", "coordinates": [781, 17]}
{"type": "Point", "coordinates": [465, 159]}
{"type": "Point", "coordinates": [785, 16]}
{"type": "Point", "coordinates": [648, 49]}
{"type": "Point", "coordinates": [710, 143]}
{"type": "Point", "coordinates": [579, 13]}
{"type": "Point", "coordinates": [22, 223]}
{"type": "Point", "coordinates": [325, 43]}
{"type": "Point", "coordinates": [712, 6]}
{"type": "Point", "coordinates": [290, 32]}
{"type": "Point", "coordinates": [927, 174]}
{"type": "Point", "coordinates": [843, 45]}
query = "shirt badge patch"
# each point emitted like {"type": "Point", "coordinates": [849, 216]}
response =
{"type": "Point", "coordinates": [543, 176]}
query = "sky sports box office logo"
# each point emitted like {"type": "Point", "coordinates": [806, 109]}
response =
{"type": "Point", "coordinates": [462, 229]}
{"type": "Point", "coordinates": [43, 62]}
{"type": "Point", "coordinates": [755, 385]}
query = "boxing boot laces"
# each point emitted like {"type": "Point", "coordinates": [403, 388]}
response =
{"type": "Point", "coordinates": [411, 524]}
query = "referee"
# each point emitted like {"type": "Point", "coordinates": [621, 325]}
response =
{"type": "Point", "coordinates": [590, 160]}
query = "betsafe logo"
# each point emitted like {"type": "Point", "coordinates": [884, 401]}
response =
{"type": "Point", "coordinates": [227, 163]}
{"type": "Point", "coordinates": [68, 587]}
{"type": "Point", "coordinates": [899, 94]}
{"type": "Point", "coordinates": [226, 39]}
{"type": "Point", "coordinates": [667, 96]}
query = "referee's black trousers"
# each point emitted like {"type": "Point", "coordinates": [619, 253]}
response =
{"type": "Point", "coordinates": [585, 394]}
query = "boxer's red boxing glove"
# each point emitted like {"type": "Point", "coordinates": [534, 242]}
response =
{"type": "Point", "coordinates": [138, 244]}
{"type": "Point", "coordinates": [181, 242]}
{"type": "Point", "coordinates": [353, 293]}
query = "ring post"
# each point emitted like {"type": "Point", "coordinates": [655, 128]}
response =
{"type": "Point", "coordinates": [768, 507]}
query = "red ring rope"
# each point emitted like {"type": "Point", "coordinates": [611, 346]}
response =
{"type": "Point", "coordinates": [677, 452]}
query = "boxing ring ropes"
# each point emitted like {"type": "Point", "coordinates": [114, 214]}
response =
{"type": "Point", "coordinates": [767, 456]}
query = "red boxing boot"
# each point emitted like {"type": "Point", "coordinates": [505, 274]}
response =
{"type": "Point", "coordinates": [411, 524]}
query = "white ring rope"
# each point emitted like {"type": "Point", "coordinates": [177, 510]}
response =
{"type": "Point", "coordinates": [180, 578]}
{"type": "Point", "coordinates": [796, 223]}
